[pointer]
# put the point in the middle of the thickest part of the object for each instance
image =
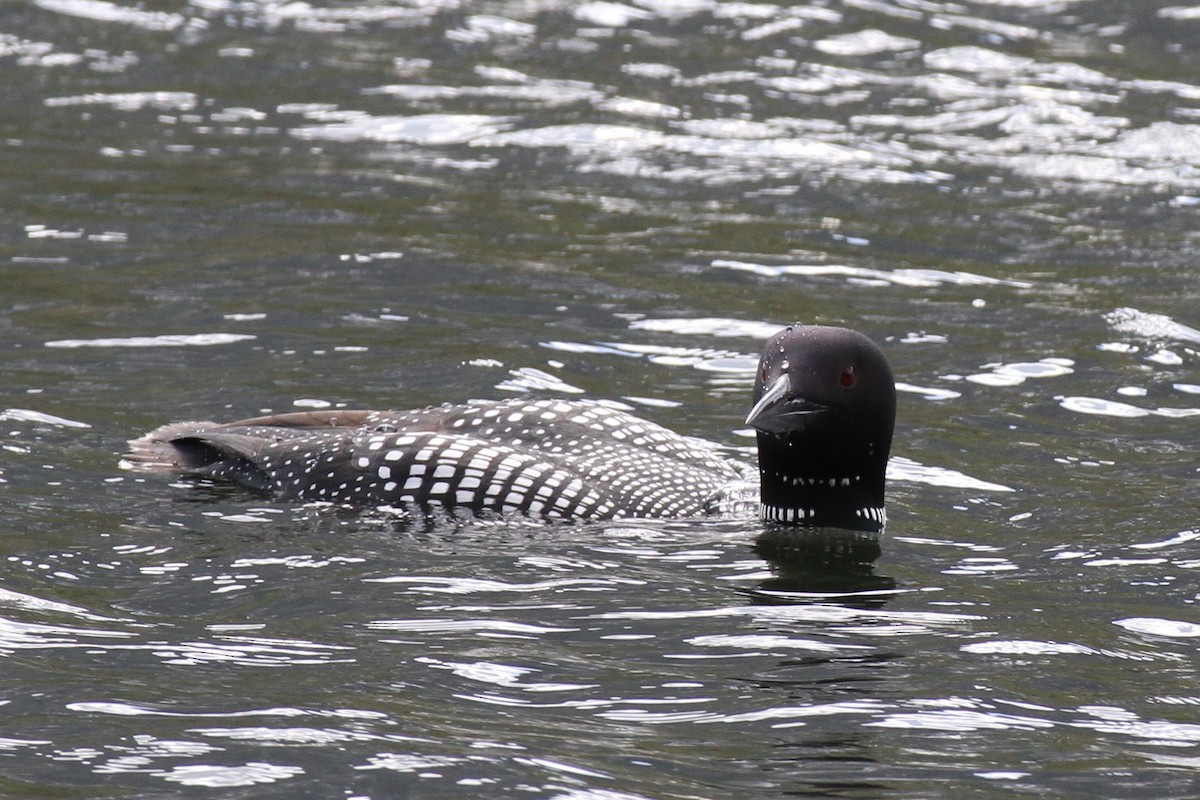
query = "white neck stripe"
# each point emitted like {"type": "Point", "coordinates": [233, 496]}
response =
{"type": "Point", "coordinates": [768, 513]}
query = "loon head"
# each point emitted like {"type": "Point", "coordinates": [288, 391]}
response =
{"type": "Point", "coordinates": [824, 409]}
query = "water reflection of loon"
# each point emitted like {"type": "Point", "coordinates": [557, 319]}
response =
{"type": "Point", "coordinates": [822, 565]}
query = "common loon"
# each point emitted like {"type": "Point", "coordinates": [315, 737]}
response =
{"type": "Point", "coordinates": [824, 408]}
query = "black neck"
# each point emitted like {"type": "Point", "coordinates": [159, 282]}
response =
{"type": "Point", "coordinates": [807, 483]}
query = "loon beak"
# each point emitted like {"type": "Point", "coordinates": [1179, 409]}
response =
{"type": "Point", "coordinates": [776, 412]}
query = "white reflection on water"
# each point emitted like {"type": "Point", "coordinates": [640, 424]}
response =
{"type": "Point", "coordinates": [1111, 719]}
{"type": "Point", "coordinates": [427, 129]}
{"type": "Point", "coordinates": [123, 709]}
{"type": "Point", "coordinates": [518, 88]}
{"type": "Point", "coordinates": [1183, 537]}
{"type": "Point", "coordinates": [143, 751]}
{"type": "Point", "coordinates": [791, 716]}
{"type": "Point", "coordinates": [251, 651]}
{"type": "Point", "coordinates": [16, 635]}
{"type": "Point", "coordinates": [707, 326]}
{"type": "Point", "coordinates": [165, 340]}
{"type": "Point", "coordinates": [981, 566]}
{"type": "Point", "coordinates": [411, 762]}
{"type": "Point", "coordinates": [874, 622]}
{"type": "Point", "coordinates": [1099, 406]}
{"type": "Point", "coordinates": [130, 101]}
{"type": "Point", "coordinates": [298, 736]}
{"type": "Point", "coordinates": [1016, 373]}
{"type": "Point", "coordinates": [1150, 326]}
{"type": "Point", "coordinates": [28, 602]}
{"type": "Point", "coordinates": [29, 415]}
{"type": "Point", "coordinates": [1026, 647]}
{"type": "Point", "coordinates": [1170, 628]}
{"type": "Point", "coordinates": [494, 628]}
{"type": "Point", "coordinates": [506, 675]}
{"type": "Point", "coordinates": [1045, 107]}
{"type": "Point", "coordinates": [864, 43]}
{"type": "Point", "coordinates": [227, 648]}
{"type": "Point", "coordinates": [914, 119]}
{"type": "Point", "coordinates": [102, 11]}
{"type": "Point", "coordinates": [928, 392]}
{"type": "Point", "coordinates": [771, 643]}
{"type": "Point", "coordinates": [917, 278]}
{"type": "Point", "coordinates": [241, 650]}
{"type": "Point", "coordinates": [960, 720]}
{"type": "Point", "coordinates": [437, 584]}
{"type": "Point", "coordinates": [221, 777]}
{"type": "Point", "coordinates": [531, 379]}
{"type": "Point", "coordinates": [909, 471]}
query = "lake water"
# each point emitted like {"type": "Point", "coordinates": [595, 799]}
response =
{"type": "Point", "coordinates": [209, 208]}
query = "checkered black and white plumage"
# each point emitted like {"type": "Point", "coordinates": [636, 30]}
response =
{"type": "Point", "coordinates": [545, 458]}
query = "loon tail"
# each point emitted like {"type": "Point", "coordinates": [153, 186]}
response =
{"type": "Point", "coordinates": [193, 447]}
{"type": "Point", "coordinates": [161, 450]}
{"type": "Point", "coordinates": [199, 446]}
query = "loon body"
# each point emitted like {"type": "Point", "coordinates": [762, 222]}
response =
{"type": "Point", "coordinates": [824, 405]}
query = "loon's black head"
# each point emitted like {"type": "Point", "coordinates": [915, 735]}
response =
{"type": "Point", "coordinates": [824, 409]}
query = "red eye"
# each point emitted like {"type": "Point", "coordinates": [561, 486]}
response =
{"type": "Point", "coordinates": [848, 377]}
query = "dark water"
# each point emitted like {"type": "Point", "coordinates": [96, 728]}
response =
{"type": "Point", "coordinates": [213, 207]}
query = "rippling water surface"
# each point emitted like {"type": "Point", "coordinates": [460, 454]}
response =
{"type": "Point", "coordinates": [215, 207]}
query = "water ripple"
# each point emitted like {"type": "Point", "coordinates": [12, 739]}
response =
{"type": "Point", "coordinates": [224, 777]}
{"type": "Point", "coordinates": [297, 736]}
{"type": "Point", "coordinates": [1016, 373]}
{"type": "Point", "coordinates": [166, 340]}
{"type": "Point", "coordinates": [1026, 647]}
{"type": "Point", "coordinates": [909, 471]}
{"type": "Point", "coordinates": [29, 415]}
{"type": "Point", "coordinates": [484, 627]}
{"type": "Point", "coordinates": [795, 714]}
{"type": "Point", "coordinates": [1183, 537]}
{"type": "Point", "coordinates": [864, 621]}
{"type": "Point", "coordinates": [706, 326]}
{"type": "Point", "coordinates": [1150, 326]}
{"type": "Point", "coordinates": [102, 11]}
{"type": "Point", "coordinates": [504, 675]}
{"type": "Point", "coordinates": [252, 651]}
{"type": "Point", "coordinates": [960, 720]}
{"type": "Point", "coordinates": [27, 602]}
{"type": "Point", "coordinates": [521, 90]}
{"type": "Point", "coordinates": [963, 105]}
{"type": "Point", "coordinates": [771, 643]}
{"type": "Point", "coordinates": [531, 379]}
{"type": "Point", "coordinates": [125, 709]}
{"type": "Point", "coordinates": [455, 585]}
{"type": "Point", "coordinates": [428, 129]}
{"type": "Point", "coordinates": [129, 101]}
{"type": "Point", "coordinates": [1152, 626]}
{"type": "Point", "coordinates": [918, 278]}
{"type": "Point", "coordinates": [16, 635]}
{"type": "Point", "coordinates": [1099, 406]}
